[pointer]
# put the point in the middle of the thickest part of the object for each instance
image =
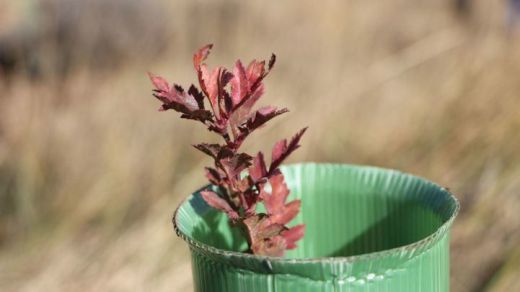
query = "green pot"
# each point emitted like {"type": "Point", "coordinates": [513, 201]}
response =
{"type": "Point", "coordinates": [368, 229]}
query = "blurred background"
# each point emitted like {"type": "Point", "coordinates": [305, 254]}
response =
{"type": "Point", "coordinates": [90, 172]}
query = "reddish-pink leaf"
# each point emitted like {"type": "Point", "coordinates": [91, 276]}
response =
{"type": "Point", "coordinates": [251, 224]}
{"type": "Point", "coordinates": [178, 95]}
{"type": "Point", "coordinates": [209, 84]}
{"type": "Point", "coordinates": [255, 74]}
{"type": "Point", "coordinates": [213, 176]}
{"type": "Point", "coordinates": [203, 75]}
{"type": "Point", "coordinates": [160, 83]}
{"type": "Point", "coordinates": [279, 150]}
{"type": "Point", "coordinates": [219, 203]}
{"type": "Point", "coordinates": [292, 235]}
{"type": "Point", "coordinates": [225, 97]}
{"type": "Point", "coordinates": [226, 77]}
{"type": "Point", "coordinates": [212, 85]}
{"type": "Point", "coordinates": [210, 149]}
{"type": "Point", "coordinates": [263, 115]}
{"type": "Point", "coordinates": [258, 170]}
{"type": "Point", "coordinates": [289, 211]}
{"type": "Point", "coordinates": [241, 114]}
{"type": "Point", "coordinates": [199, 115]}
{"type": "Point", "coordinates": [209, 81]}
{"type": "Point", "coordinates": [236, 164]}
{"type": "Point", "coordinates": [255, 95]}
{"type": "Point", "coordinates": [275, 202]}
{"type": "Point", "coordinates": [255, 70]}
{"type": "Point", "coordinates": [265, 236]}
{"type": "Point", "coordinates": [216, 151]}
{"type": "Point", "coordinates": [282, 150]}
{"type": "Point", "coordinates": [274, 247]}
{"type": "Point", "coordinates": [162, 89]}
{"type": "Point", "coordinates": [197, 95]}
{"type": "Point", "coordinates": [266, 110]}
{"type": "Point", "coordinates": [189, 104]}
{"type": "Point", "coordinates": [255, 121]}
{"type": "Point", "coordinates": [266, 229]}
{"type": "Point", "coordinates": [239, 83]}
{"type": "Point", "coordinates": [243, 185]}
{"type": "Point", "coordinates": [251, 199]}
{"type": "Point", "coordinates": [201, 55]}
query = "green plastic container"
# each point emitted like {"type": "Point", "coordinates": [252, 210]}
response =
{"type": "Point", "coordinates": [368, 229]}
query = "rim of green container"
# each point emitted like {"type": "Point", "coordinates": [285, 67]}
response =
{"type": "Point", "coordinates": [423, 243]}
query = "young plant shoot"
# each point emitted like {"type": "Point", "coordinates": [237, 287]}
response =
{"type": "Point", "coordinates": [224, 104]}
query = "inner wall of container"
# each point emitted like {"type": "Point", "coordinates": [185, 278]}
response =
{"type": "Point", "coordinates": [347, 211]}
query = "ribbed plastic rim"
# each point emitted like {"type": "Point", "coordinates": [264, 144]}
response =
{"type": "Point", "coordinates": [422, 244]}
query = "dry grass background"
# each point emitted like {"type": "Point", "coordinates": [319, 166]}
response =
{"type": "Point", "coordinates": [90, 173]}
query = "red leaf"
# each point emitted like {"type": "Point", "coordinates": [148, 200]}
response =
{"type": "Point", "coordinates": [219, 203]}
{"type": "Point", "coordinates": [292, 235]}
{"type": "Point", "coordinates": [225, 78]}
{"type": "Point", "coordinates": [255, 74]}
{"type": "Point", "coordinates": [262, 116]}
{"type": "Point", "coordinates": [255, 95]}
{"type": "Point", "coordinates": [257, 120]}
{"type": "Point", "coordinates": [197, 95]}
{"type": "Point", "coordinates": [209, 81]}
{"type": "Point", "coordinates": [255, 70]}
{"type": "Point", "coordinates": [209, 84]}
{"type": "Point", "coordinates": [266, 229]}
{"type": "Point", "coordinates": [178, 95]}
{"type": "Point", "coordinates": [251, 223]}
{"type": "Point", "coordinates": [241, 114]}
{"type": "Point", "coordinates": [210, 149]}
{"type": "Point", "coordinates": [274, 247]}
{"type": "Point", "coordinates": [162, 88]}
{"type": "Point", "coordinates": [239, 83]}
{"type": "Point", "coordinates": [258, 170]}
{"type": "Point", "coordinates": [201, 55]}
{"type": "Point", "coordinates": [289, 211]}
{"type": "Point", "coordinates": [216, 151]}
{"type": "Point", "coordinates": [279, 149]}
{"type": "Point", "coordinates": [251, 199]}
{"type": "Point", "coordinates": [265, 236]}
{"type": "Point", "coordinates": [275, 202]}
{"type": "Point", "coordinates": [189, 104]}
{"type": "Point", "coordinates": [213, 176]}
{"type": "Point", "coordinates": [160, 83]}
{"type": "Point", "coordinates": [199, 115]}
{"type": "Point", "coordinates": [252, 209]}
{"type": "Point", "coordinates": [236, 164]}
{"type": "Point", "coordinates": [282, 150]}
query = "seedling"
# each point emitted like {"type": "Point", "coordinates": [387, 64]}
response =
{"type": "Point", "coordinates": [241, 181]}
